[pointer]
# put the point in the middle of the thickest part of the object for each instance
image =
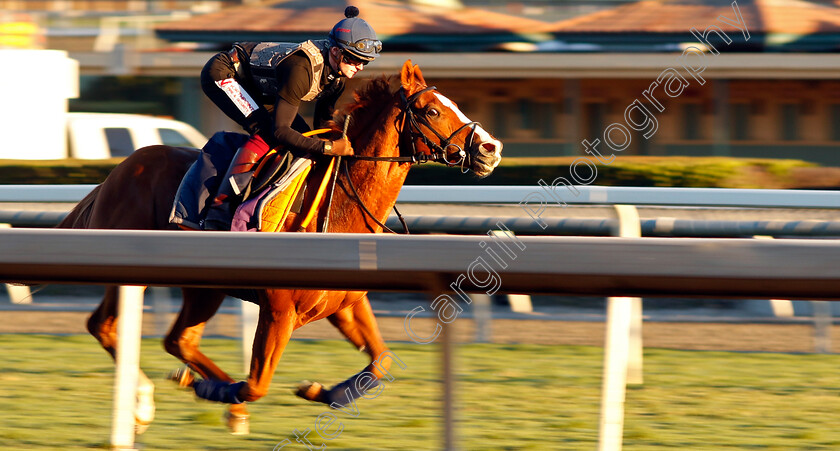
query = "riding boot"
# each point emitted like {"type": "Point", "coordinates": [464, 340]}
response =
{"type": "Point", "coordinates": [221, 208]}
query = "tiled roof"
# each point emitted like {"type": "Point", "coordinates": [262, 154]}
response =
{"type": "Point", "coordinates": [663, 16]}
{"type": "Point", "coordinates": [799, 17]}
{"type": "Point", "coordinates": [387, 17]}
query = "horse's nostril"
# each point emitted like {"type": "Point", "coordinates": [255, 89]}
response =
{"type": "Point", "coordinates": [489, 147]}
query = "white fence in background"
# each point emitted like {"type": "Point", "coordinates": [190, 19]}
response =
{"type": "Point", "coordinates": [494, 194]}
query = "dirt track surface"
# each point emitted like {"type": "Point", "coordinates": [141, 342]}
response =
{"type": "Point", "coordinates": [673, 335]}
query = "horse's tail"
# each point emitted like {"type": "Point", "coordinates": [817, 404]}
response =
{"type": "Point", "coordinates": [79, 217]}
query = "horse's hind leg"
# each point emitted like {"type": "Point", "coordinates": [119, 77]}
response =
{"type": "Point", "coordinates": [102, 324]}
{"type": "Point", "coordinates": [358, 324]}
{"type": "Point", "coordinates": [199, 305]}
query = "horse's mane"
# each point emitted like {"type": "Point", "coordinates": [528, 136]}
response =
{"type": "Point", "coordinates": [367, 100]}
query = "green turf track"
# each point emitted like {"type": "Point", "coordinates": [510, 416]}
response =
{"type": "Point", "coordinates": [56, 393]}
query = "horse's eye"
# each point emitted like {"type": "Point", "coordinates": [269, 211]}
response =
{"type": "Point", "coordinates": [432, 112]}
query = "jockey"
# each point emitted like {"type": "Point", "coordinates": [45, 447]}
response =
{"type": "Point", "coordinates": [261, 86]}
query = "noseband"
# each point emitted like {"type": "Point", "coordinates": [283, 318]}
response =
{"type": "Point", "coordinates": [438, 149]}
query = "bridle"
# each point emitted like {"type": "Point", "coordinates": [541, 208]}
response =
{"type": "Point", "coordinates": [409, 132]}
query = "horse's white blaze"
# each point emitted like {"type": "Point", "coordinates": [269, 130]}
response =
{"type": "Point", "coordinates": [482, 134]}
{"type": "Point", "coordinates": [489, 148]}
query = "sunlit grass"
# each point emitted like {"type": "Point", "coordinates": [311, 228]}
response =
{"type": "Point", "coordinates": [57, 394]}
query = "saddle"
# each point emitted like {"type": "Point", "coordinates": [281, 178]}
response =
{"type": "Point", "coordinates": [270, 192]}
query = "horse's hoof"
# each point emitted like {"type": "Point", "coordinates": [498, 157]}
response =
{"type": "Point", "coordinates": [238, 424]}
{"type": "Point", "coordinates": [182, 376]}
{"type": "Point", "coordinates": [144, 410]}
{"type": "Point", "coordinates": [139, 427]}
{"type": "Point", "coordinates": [310, 391]}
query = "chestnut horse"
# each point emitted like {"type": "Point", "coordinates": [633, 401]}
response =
{"type": "Point", "coordinates": [389, 131]}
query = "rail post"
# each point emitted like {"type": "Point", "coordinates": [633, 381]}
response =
{"type": "Point", "coordinates": [622, 348]}
{"type": "Point", "coordinates": [482, 316]}
{"type": "Point", "coordinates": [435, 289]}
{"type": "Point", "coordinates": [18, 294]}
{"type": "Point", "coordinates": [250, 314]}
{"type": "Point", "coordinates": [126, 377]}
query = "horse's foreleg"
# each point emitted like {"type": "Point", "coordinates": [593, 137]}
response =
{"type": "Point", "coordinates": [102, 324]}
{"type": "Point", "coordinates": [358, 324]}
{"type": "Point", "coordinates": [274, 330]}
{"type": "Point", "coordinates": [344, 321]}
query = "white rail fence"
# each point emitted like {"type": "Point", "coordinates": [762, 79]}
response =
{"type": "Point", "coordinates": [622, 356]}
{"type": "Point", "coordinates": [534, 200]}
{"type": "Point", "coordinates": [567, 265]}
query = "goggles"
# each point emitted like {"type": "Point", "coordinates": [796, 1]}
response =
{"type": "Point", "coordinates": [364, 45]}
{"type": "Point", "coordinates": [352, 60]}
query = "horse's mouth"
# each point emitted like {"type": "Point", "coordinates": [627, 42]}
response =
{"type": "Point", "coordinates": [486, 157]}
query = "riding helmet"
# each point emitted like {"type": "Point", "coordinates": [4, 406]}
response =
{"type": "Point", "coordinates": [355, 36]}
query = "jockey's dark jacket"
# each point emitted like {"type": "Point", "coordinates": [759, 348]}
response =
{"type": "Point", "coordinates": [294, 76]}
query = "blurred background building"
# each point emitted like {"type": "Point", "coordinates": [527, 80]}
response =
{"type": "Point", "coordinates": [542, 75]}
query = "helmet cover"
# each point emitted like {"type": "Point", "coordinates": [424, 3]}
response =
{"type": "Point", "coordinates": [355, 36]}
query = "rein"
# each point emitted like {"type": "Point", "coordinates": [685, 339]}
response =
{"type": "Point", "coordinates": [365, 208]}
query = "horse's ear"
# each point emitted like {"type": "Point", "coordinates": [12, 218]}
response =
{"type": "Point", "coordinates": [411, 78]}
{"type": "Point", "coordinates": [418, 76]}
{"type": "Point", "coordinates": [407, 76]}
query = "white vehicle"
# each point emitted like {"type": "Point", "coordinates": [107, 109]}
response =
{"type": "Point", "coordinates": [106, 135]}
{"type": "Point", "coordinates": [58, 134]}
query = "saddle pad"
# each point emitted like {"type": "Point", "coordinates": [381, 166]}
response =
{"type": "Point", "coordinates": [275, 201]}
{"type": "Point", "coordinates": [274, 207]}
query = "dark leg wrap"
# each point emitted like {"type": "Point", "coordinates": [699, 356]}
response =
{"type": "Point", "coordinates": [341, 394]}
{"type": "Point", "coordinates": [219, 391]}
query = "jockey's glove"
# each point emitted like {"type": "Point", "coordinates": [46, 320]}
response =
{"type": "Point", "coordinates": [340, 147]}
